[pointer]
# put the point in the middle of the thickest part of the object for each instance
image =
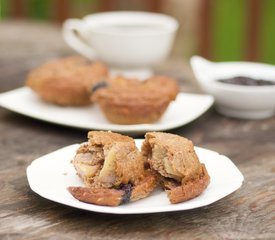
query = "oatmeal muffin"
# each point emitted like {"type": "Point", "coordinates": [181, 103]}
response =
{"type": "Point", "coordinates": [112, 169]}
{"type": "Point", "coordinates": [174, 159]}
{"type": "Point", "coordinates": [129, 101]}
{"type": "Point", "coordinates": [66, 81]}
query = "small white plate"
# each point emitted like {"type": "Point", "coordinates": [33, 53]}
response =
{"type": "Point", "coordinates": [183, 110]}
{"type": "Point", "coordinates": [50, 175]}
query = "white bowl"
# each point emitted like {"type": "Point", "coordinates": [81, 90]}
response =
{"type": "Point", "coordinates": [248, 102]}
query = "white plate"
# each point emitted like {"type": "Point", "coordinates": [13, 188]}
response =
{"type": "Point", "coordinates": [50, 175]}
{"type": "Point", "coordinates": [183, 110]}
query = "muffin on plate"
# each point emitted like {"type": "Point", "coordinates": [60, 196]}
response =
{"type": "Point", "coordinates": [112, 169]}
{"type": "Point", "coordinates": [130, 101]}
{"type": "Point", "coordinates": [67, 81]}
{"type": "Point", "coordinates": [174, 160]}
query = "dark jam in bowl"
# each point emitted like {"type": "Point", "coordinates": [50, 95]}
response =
{"type": "Point", "coordinates": [247, 81]}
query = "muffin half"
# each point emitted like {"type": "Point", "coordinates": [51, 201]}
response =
{"type": "Point", "coordinates": [112, 169]}
{"type": "Point", "coordinates": [175, 161]}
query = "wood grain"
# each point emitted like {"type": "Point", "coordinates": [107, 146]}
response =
{"type": "Point", "coordinates": [245, 214]}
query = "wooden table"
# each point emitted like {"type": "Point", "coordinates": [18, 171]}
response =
{"type": "Point", "coordinates": [245, 214]}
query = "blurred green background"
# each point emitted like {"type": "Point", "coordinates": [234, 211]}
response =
{"type": "Point", "coordinates": [221, 30]}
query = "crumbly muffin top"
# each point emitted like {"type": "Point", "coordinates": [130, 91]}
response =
{"type": "Point", "coordinates": [103, 138]}
{"type": "Point", "coordinates": [171, 155]}
{"type": "Point", "coordinates": [129, 97]}
{"type": "Point", "coordinates": [108, 160]}
{"type": "Point", "coordinates": [68, 70]}
{"type": "Point", "coordinates": [131, 92]}
{"type": "Point", "coordinates": [163, 84]}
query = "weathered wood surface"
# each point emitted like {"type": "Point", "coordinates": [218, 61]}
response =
{"type": "Point", "coordinates": [245, 214]}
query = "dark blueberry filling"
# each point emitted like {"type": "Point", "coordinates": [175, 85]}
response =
{"type": "Point", "coordinates": [127, 188]}
{"type": "Point", "coordinates": [99, 85]}
{"type": "Point", "coordinates": [246, 81]}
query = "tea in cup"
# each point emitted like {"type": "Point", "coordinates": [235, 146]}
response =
{"type": "Point", "coordinates": [128, 42]}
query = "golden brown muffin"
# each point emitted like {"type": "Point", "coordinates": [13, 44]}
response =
{"type": "Point", "coordinates": [129, 101]}
{"type": "Point", "coordinates": [174, 159]}
{"type": "Point", "coordinates": [67, 81]}
{"type": "Point", "coordinates": [112, 168]}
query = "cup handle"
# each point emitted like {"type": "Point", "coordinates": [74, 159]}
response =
{"type": "Point", "coordinates": [74, 35]}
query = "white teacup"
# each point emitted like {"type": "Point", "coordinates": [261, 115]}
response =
{"type": "Point", "coordinates": [126, 41]}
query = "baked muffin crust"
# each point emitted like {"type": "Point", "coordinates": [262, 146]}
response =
{"type": "Point", "coordinates": [111, 167]}
{"type": "Point", "coordinates": [67, 81]}
{"type": "Point", "coordinates": [129, 101]}
{"type": "Point", "coordinates": [175, 161]}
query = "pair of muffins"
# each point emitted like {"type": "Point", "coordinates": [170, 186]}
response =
{"type": "Point", "coordinates": [115, 171]}
{"type": "Point", "coordinates": [76, 81]}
